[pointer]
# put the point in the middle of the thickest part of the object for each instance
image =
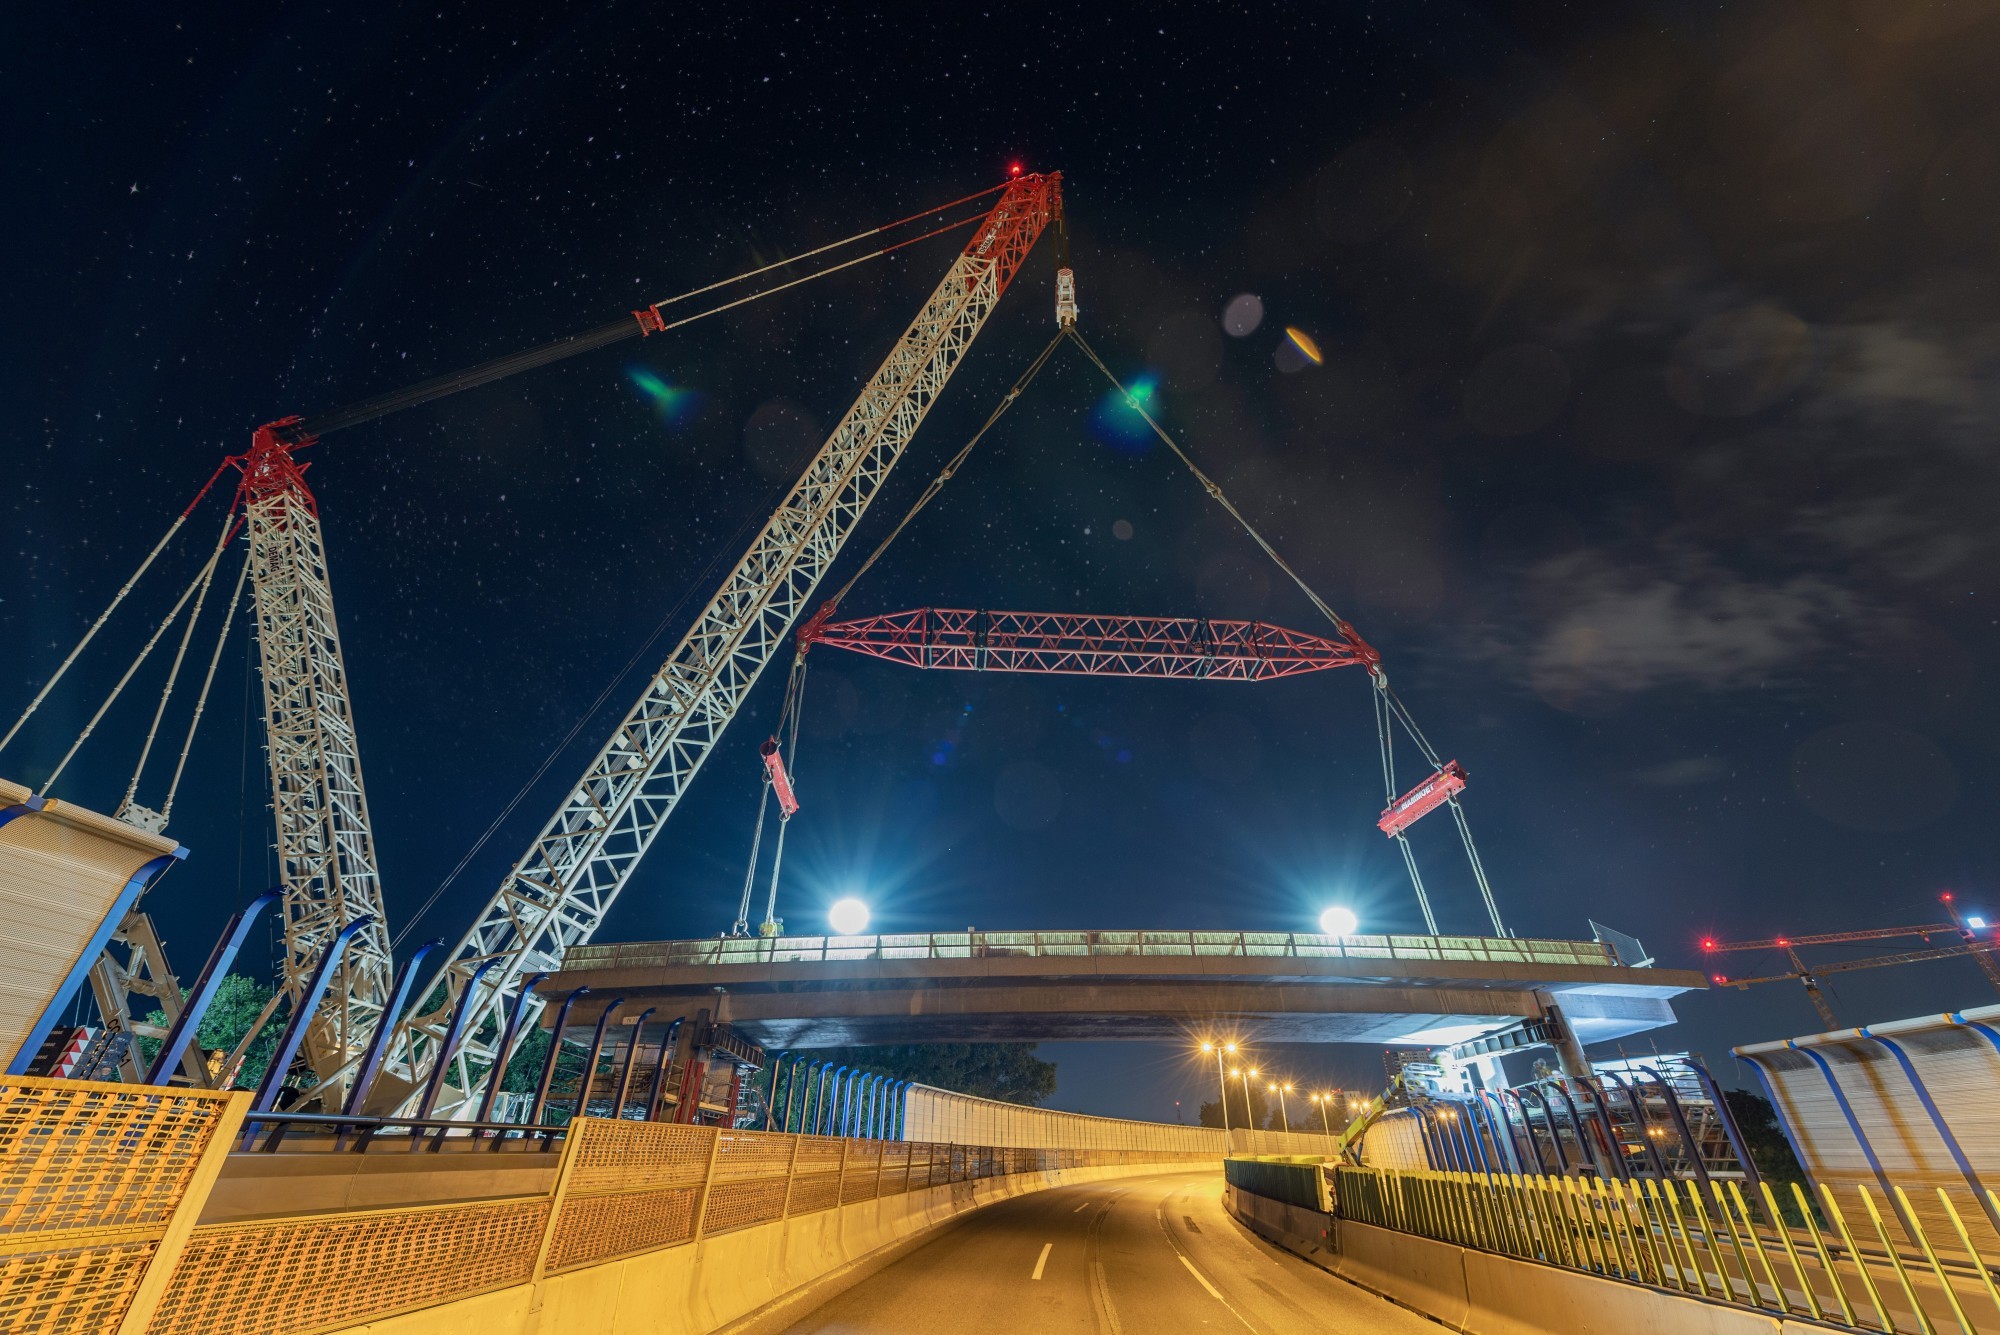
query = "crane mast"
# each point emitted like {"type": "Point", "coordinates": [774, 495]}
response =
{"type": "Point", "coordinates": [325, 845]}
{"type": "Point", "coordinates": [557, 894]}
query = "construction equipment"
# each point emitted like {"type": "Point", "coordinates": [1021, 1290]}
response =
{"type": "Point", "coordinates": [558, 893]}
{"type": "Point", "coordinates": [1084, 645]}
{"type": "Point", "coordinates": [1808, 976]}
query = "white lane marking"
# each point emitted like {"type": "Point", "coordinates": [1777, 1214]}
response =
{"type": "Point", "coordinates": [1081, 1208]}
{"type": "Point", "coordinates": [1159, 1213]}
{"type": "Point", "coordinates": [1043, 1260]}
{"type": "Point", "coordinates": [1213, 1292]}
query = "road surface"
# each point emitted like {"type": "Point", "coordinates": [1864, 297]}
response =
{"type": "Point", "coordinates": [1140, 1256]}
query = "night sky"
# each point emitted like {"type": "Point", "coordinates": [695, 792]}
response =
{"type": "Point", "coordinates": [1652, 447]}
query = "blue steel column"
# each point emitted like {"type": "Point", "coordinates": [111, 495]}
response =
{"type": "Point", "coordinates": [1611, 1145]}
{"type": "Point", "coordinates": [631, 1060]}
{"type": "Point", "coordinates": [659, 1091]}
{"type": "Point", "coordinates": [590, 1061]}
{"type": "Point", "coordinates": [1679, 1115]}
{"type": "Point", "coordinates": [295, 1026]}
{"type": "Point", "coordinates": [454, 1034]}
{"type": "Point", "coordinates": [1728, 1118]}
{"type": "Point", "coordinates": [1548, 1120]}
{"type": "Point", "coordinates": [378, 1046]}
{"type": "Point", "coordinates": [516, 1014]}
{"type": "Point", "coordinates": [1584, 1157]}
{"type": "Point", "coordinates": [549, 1062]}
{"type": "Point", "coordinates": [205, 987]}
{"type": "Point", "coordinates": [1639, 1119]}
{"type": "Point", "coordinates": [830, 1108]}
{"type": "Point", "coordinates": [1497, 1117]}
{"type": "Point", "coordinates": [1527, 1129]}
{"type": "Point", "coordinates": [811, 1093]}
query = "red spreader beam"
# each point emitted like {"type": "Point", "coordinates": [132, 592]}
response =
{"type": "Point", "coordinates": [1085, 645]}
{"type": "Point", "coordinates": [781, 781]}
{"type": "Point", "coordinates": [1436, 790]}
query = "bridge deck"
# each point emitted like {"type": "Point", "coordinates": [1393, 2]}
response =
{"type": "Point", "coordinates": [792, 992]}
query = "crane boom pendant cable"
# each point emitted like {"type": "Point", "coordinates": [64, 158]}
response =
{"type": "Point", "coordinates": [642, 323]}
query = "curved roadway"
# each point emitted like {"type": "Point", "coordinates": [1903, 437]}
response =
{"type": "Point", "coordinates": [1141, 1256]}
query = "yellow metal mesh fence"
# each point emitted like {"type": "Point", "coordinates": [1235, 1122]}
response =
{"type": "Point", "coordinates": [78, 1154]}
{"type": "Point", "coordinates": [77, 1288]}
{"type": "Point", "coordinates": [309, 1272]}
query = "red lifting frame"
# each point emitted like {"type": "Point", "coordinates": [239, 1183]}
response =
{"type": "Point", "coordinates": [1104, 646]}
{"type": "Point", "coordinates": [1423, 799]}
{"type": "Point", "coordinates": [781, 782]}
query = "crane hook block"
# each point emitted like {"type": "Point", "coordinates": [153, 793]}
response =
{"type": "Point", "coordinates": [781, 782]}
{"type": "Point", "coordinates": [1422, 800]}
{"type": "Point", "coordinates": [1065, 297]}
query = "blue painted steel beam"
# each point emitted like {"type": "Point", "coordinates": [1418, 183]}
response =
{"type": "Point", "coordinates": [205, 987]}
{"type": "Point", "coordinates": [295, 1026]}
{"type": "Point", "coordinates": [515, 1015]}
{"type": "Point", "coordinates": [378, 1046]}
{"type": "Point", "coordinates": [454, 1034]}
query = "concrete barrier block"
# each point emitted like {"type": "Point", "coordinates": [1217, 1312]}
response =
{"type": "Point", "coordinates": [1417, 1272]}
{"type": "Point", "coordinates": [1507, 1296]}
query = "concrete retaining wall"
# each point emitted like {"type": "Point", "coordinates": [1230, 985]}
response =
{"type": "Point", "coordinates": [1483, 1293]}
{"type": "Point", "coordinates": [704, 1286]}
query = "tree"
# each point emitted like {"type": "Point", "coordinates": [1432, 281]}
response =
{"type": "Point", "coordinates": [1763, 1137]}
{"type": "Point", "coordinates": [1009, 1072]}
{"type": "Point", "coordinates": [1257, 1117]}
{"type": "Point", "coordinates": [237, 1002]}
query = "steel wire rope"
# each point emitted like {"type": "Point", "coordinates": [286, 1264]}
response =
{"type": "Point", "coordinates": [116, 599]}
{"type": "Point", "coordinates": [631, 326]}
{"type": "Point", "coordinates": [700, 581]}
{"type": "Point", "coordinates": [201, 700]}
{"type": "Point", "coordinates": [795, 683]}
{"type": "Point", "coordinates": [1388, 699]}
{"type": "Point", "coordinates": [950, 470]}
{"type": "Point", "coordinates": [145, 651]}
{"type": "Point", "coordinates": [180, 656]}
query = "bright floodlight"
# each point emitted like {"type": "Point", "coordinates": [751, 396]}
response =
{"type": "Point", "coordinates": [1339, 921]}
{"type": "Point", "coordinates": [848, 917]}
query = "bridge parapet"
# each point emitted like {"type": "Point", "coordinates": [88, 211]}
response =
{"type": "Point", "coordinates": [1071, 944]}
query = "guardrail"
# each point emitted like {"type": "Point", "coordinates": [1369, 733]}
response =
{"type": "Point", "coordinates": [102, 1186]}
{"type": "Point", "coordinates": [1841, 1266]}
{"type": "Point", "coordinates": [1035, 945]}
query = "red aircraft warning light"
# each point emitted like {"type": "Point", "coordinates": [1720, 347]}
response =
{"type": "Point", "coordinates": [781, 782]}
{"type": "Point", "coordinates": [1420, 801]}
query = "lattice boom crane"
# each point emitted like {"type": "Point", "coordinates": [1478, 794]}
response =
{"type": "Point", "coordinates": [558, 893]}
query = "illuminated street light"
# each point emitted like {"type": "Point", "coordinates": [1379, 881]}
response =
{"type": "Point", "coordinates": [1218, 1049]}
{"type": "Point", "coordinates": [1325, 1101]}
{"type": "Point", "coordinates": [848, 917]}
{"type": "Point", "coordinates": [1284, 1116]}
{"type": "Point", "coordinates": [1339, 921]}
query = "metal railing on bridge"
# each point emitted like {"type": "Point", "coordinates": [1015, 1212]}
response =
{"type": "Point", "coordinates": [1035, 945]}
{"type": "Point", "coordinates": [1841, 1264]}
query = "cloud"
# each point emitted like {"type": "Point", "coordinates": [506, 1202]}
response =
{"type": "Point", "coordinates": [1621, 627]}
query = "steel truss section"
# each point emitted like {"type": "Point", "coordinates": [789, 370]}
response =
{"type": "Point", "coordinates": [560, 890]}
{"type": "Point", "coordinates": [325, 844]}
{"type": "Point", "coordinates": [1086, 645]}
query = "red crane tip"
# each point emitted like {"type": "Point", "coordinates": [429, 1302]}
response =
{"type": "Point", "coordinates": [1720, 979]}
{"type": "Point", "coordinates": [1783, 942]}
{"type": "Point", "coordinates": [1708, 943]}
{"type": "Point", "coordinates": [1015, 169]}
{"type": "Point", "coordinates": [1946, 896]}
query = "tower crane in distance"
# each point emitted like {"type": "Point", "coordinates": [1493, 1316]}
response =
{"type": "Point", "coordinates": [1964, 929]}
{"type": "Point", "coordinates": [557, 894]}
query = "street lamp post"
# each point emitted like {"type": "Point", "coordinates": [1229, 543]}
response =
{"type": "Point", "coordinates": [1249, 1114]}
{"type": "Point", "coordinates": [1221, 1082]}
{"type": "Point", "coordinates": [1325, 1122]}
{"type": "Point", "coordinates": [1283, 1116]}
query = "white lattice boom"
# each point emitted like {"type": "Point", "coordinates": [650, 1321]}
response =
{"type": "Point", "coordinates": [325, 845]}
{"type": "Point", "coordinates": [558, 893]}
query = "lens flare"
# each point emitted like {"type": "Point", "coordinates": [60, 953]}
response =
{"type": "Point", "coordinates": [672, 403]}
{"type": "Point", "coordinates": [1120, 420]}
{"type": "Point", "coordinates": [1308, 349]}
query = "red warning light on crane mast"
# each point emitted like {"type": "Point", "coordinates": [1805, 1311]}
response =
{"type": "Point", "coordinates": [1014, 170]}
